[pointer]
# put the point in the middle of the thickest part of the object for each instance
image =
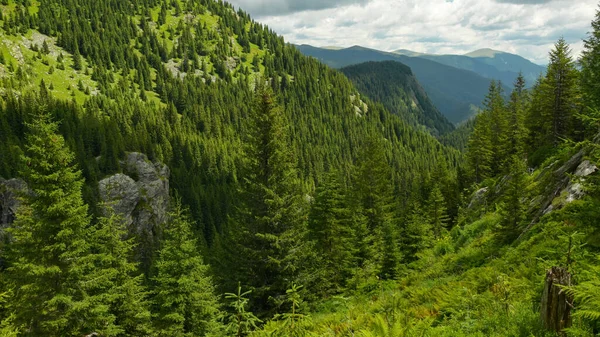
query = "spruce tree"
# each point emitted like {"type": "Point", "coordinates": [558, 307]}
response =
{"type": "Point", "coordinates": [438, 215]}
{"type": "Point", "coordinates": [49, 256]}
{"type": "Point", "coordinates": [375, 201]}
{"type": "Point", "coordinates": [517, 132]}
{"type": "Point", "coordinates": [513, 209]}
{"type": "Point", "coordinates": [416, 234]}
{"type": "Point", "coordinates": [536, 121]}
{"type": "Point", "coordinates": [494, 107]}
{"type": "Point", "coordinates": [77, 62]}
{"type": "Point", "coordinates": [117, 279]}
{"type": "Point", "coordinates": [184, 299]}
{"type": "Point", "coordinates": [479, 150]}
{"type": "Point", "coordinates": [331, 226]}
{"type": "Point", "coordinates": [560, 93]}
{"type": "Point", "coordinates": [240, 322]}
{"type": "Point", "coordinates": [268, 228]}
{"type": "Point", "coordinates": [590, 75]}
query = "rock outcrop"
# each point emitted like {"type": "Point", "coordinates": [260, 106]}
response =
{"type": "Point", "coordinates": [574, 190]}
{"type": "Point", "coordinates": [478, 198]}
{"type": "Point", "coordinates": [140, 195]}
{"type": "Point", "coordinates": [561, 185]}
{"type": "Point", "coordinates": [9, 201]}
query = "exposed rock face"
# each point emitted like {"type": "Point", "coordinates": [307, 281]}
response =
{"type": "Point", "coordinates": [585, 169]}
{"type": "Point", "coordinates": [140, 197]}
{"type": "Point", "coordinates": [574, 189]}
{"type": "Point", "coordinates": [9, 201]}
{"type": "Point", "coordinates": [478, 197]}
{"type": "Point", "coordinates": [122, 194]}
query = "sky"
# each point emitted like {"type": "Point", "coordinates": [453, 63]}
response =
{"type": "Point", "coordinates": [525, 27]}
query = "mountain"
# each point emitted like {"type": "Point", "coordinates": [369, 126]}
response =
{"type": "Point", "coordinates": [489, 64]}
{"type": "Point", "coordinates": [133, 101]}
{"type": "Point", "coordinates": [455, 92]}
{"type": "Point", "coordinates": [394, 85]}
{"type": "Point", "coordinates": [173, 82]}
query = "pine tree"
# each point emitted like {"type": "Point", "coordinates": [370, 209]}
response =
{"type": "Point", "coordinates": [162, 16]}
{"type": "Point", "coordinates": [560, 92]}
{"type": "Point", "coordinates": [517, 132]}
{"type": "Point", "coordinates": [513, 209]}
{"type": "Point", "coordinates": [416, 234]}
{"type": "Point", "coordinates": [390, 254]}
{"type": "Point", "coordinates": [374, 200]}
{"type": "Point", "coordinates": [437, 212]}
{"type": "Point", "coordinates": [331, 227]}
{"type": "Point", "coordinates": [536, 121]}
{"type": "Point", "coordinates": [184, 299]}
{"type": "Point", "coordinates": [48, 257]}
{"type": "Point", "coordinates": [45, 48]}
{"type": "Point", "coordinates": [479, 151]}
{"type": "Point", "coordinates": [269, 224]}
{"type": "Point", "coordinates": [494, 107]}
{"type": "Point", "coordinates": [590, 75]}
{"type": "Point", "coordinates": [77, 63]}
{"type": "Point", "coordinates": [117, 279]}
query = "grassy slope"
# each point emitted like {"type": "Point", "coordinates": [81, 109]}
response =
{"type": "Point", "coordinates": [66, 81]}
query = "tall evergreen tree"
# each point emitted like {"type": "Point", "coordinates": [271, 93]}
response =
{"type": "Point", "coordinates": [184, 299]}
{"type": "Point", "coordinates": [77, 62]}
{"type": "Point", "coordinates": [560, 92]}
{"type": "Point", "coordinates": [375, 201]}
{"type": "Point", "coordinates": [513, 208]}
{"type": "Point", "coordinates": [479, 150]}
{"type": "Point", "coordinates": [438, 215]}
{"type": "Point", "coordinates": [494, 106]}
{"type": "Point", "coordinates": [517, 132]}
{"type": "Point", "coordinates": [268, 227]}
{"type": "Point", "coordinates": [49, 269]}
{"type": "Point", "coordinates": [331, 227]}
{"type": "Point", "coordinates": [536, 121]}
{"type": "Point", "coordinates": [416, 234]}
{"type": "Point", "coordinates": [590, 74]}
{"type": "Point", "coordinates": [116, 279]}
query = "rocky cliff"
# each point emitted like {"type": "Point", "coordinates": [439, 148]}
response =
{"type": "Point", "coordinates": [140, 195]}
{"type": "Point", "coordinates": [9, 201]}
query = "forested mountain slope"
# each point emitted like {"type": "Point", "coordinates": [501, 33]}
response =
{"type": "Point", "coordinates": [522, 259]}
{"type": "Point", "coordinates": [457, 93]}
{"type": "Point", "coordinates": [394, 85]}
{"type": "Point", "coordinates": [121, 74]}
{"type": "Point", "coordinates": [248, 128]}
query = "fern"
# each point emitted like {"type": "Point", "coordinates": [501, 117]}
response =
{"type": "Point", "coordinates": [587, 295]}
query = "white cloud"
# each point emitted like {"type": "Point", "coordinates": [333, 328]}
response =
{"type": "Point", "coordinates": [525, 27]}
{"type": "Point", "coordinates": [280, 7]}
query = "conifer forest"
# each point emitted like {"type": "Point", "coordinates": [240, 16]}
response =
{"type": "Point", "coordinates": [176, 168]}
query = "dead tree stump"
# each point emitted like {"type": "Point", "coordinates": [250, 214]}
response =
{"type": "Point", "coordinates": [556, 303]}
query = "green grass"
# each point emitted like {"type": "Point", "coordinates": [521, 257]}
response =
{"type": "Point", "coordinates": [65, 82]}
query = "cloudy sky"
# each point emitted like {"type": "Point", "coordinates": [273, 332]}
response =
{"type": "Point", "coordinates": [525, 27]}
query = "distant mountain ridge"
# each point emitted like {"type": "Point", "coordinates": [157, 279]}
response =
{"type": "Point", "coordinates": [457, 93]}
{"type": "Point", "coordinates": [488, 63]}
{"type": "Point", "coordinates": [394, 85]}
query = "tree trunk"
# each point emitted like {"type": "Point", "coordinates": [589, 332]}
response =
{"type": "Point", "coordinates": [556, 303]}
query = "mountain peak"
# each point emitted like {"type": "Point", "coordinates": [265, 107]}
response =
{"type": "Point", "coordinates": [485, 52]}
{"type": "Point", "coordinates": [407, 52]}
{"type": "Point", "coordinates": [357, 47]}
